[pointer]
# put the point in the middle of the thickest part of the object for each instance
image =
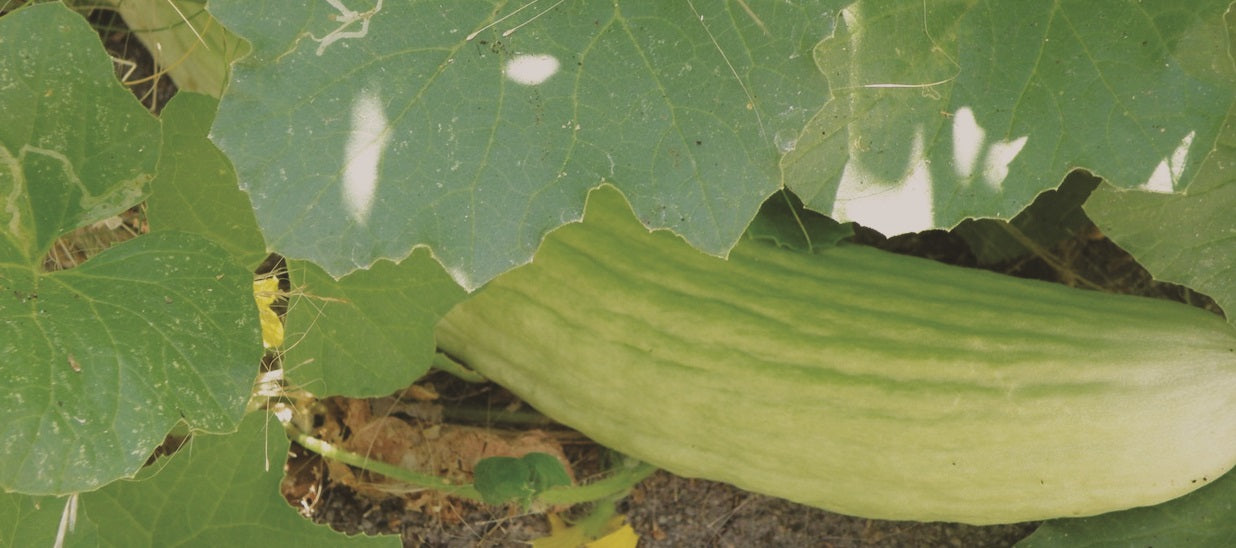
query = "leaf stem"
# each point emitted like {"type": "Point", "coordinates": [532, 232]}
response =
{"type": "Point", "coordinates": [329, 450]}
{"type": "Point", "coordinates": [621, 480]}
{"type": "Point", "coordinates": [617, 484]}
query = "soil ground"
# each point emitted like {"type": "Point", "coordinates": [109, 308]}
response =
{"type": "Point", "coordinates": [669, 511]}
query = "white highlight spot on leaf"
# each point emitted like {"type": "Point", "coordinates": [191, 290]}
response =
{"type": "Point", "coordinates": [967, 141]}
{"type": "Point", "coordinates": [461, 278]}
{"type": "Point", "coordinates": [362, 154]}
{"type": "Point", "coordinates": [531, 70]}
{"type": "Point", "coordinates": [892, 207]}
{"type": "Point", "coordinates": [1167, 174]}
{"type": "Point", "coordinates": [999, 156]}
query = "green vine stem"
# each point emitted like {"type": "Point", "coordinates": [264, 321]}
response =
{"type": "Point", "coordinates": [617, 484]}
{"type": "Point", "coordinates": [330, 451]}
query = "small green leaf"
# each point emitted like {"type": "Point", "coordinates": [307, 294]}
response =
{"type": "Point", "coordinates": [547, 471]}
{"type": "Point", "coordinates": [368, 332]}
{"type": "Point", "coordinates": [195, 190]}
{"type": "Point", "coordinates": [503, 479]}
{"type": "Point", "coordinates": [508, 479]}
{"type": "Point", "coordinates": [1203, 518]}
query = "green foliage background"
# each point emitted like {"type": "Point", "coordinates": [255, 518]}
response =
{"type": "Point", "coordinates": [901, 115]}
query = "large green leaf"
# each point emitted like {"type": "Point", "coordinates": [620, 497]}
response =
{"type": "Point", "coordinates": [368, 333]}
{"type": "Point", "coordinates": [101, 360]}
{"type": "Point", "coordinates": [1185, 238]}
{"type": "Point", "coordinates": [1204, 518]}
{"type": "Point", "coordinates": [955, 109]}
{"type": "Point", "coordinates": [217, 491]}
{"type": "Point", "coordinates": [195, 190]}
{"type": "Point", "coordinates": [362, 128]}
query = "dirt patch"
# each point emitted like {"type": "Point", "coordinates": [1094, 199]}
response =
{"type": "Point", "coordinates": [672, 511]}
{"type": "Point", "coordinates": [665, 510]}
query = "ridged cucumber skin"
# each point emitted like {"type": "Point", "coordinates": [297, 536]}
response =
{"type": "Point", "coordinates": [856, 380]}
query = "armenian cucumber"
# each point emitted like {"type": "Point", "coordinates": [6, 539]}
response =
{"type": "Point", "coordinates": [857, 380]}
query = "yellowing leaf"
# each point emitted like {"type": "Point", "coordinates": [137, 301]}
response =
{"type": "Point", "coordinates": [623, 537]}
{"type": "Point", "coordinates": [561, 535]}
{"type": "Point", "coordinates": [264, 292]}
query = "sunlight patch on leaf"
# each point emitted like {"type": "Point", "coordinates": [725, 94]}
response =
{"type": "Point", "coordinates": [530, 70]}
{"type": "Point", "coordinates": [902, 204]}
{"type": "Point", "coordinates": [969, 141]}
{"type": "Point", "coordinates": [367, 140]}
{"type": "Point", "coordinates": [1166, 176]}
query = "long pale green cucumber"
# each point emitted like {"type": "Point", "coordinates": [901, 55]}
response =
{"type": "Point", "coordinates": [856, 380]}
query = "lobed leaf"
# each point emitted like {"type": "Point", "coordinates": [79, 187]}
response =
{"type": "Point", "coordinates": [366, 333]}
{"type": "Point", "coordinates": [99, 361]}
{"type": "Point", "coordinates": [948, 110]}
{"type": "Point", "coordinates": [1187, 238]}
{"type": "Point", "coordinates": [195, 189]}
{"type": "Point", "coordinates": [364, 132]}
